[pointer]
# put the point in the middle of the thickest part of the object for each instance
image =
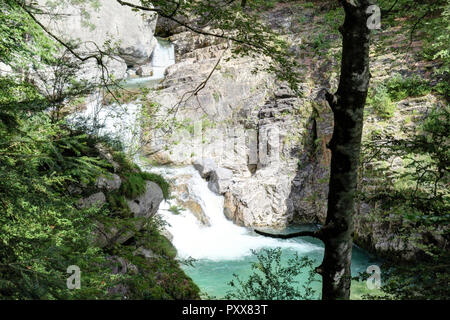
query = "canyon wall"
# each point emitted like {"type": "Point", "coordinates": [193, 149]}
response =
{"type": "Point", "coordinates": [259, 145]}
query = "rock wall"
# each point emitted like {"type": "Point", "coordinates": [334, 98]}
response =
{"type": "Point", "coordinates": [256, 143]}
{"type": "Point", "coordinates": [110, 25]}
{"type": "Point", "coordinates": [244, 119]}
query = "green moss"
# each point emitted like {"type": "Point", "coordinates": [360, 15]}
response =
{"type": "Point", "coordinates": [175, 283]}
{"type": "Point", "coordinates": [160, 245]}
{"type": "Point", "coordinates": [216, 96]}
{"type": "Point", "coordinates": [176, 209]}
{"type": "Point", "coordinates": [134, 179]}
{"type": "Point", "coordinates": [156, 293]}
{"type": "Point", "coordinates": [126, 165]}
{"type": "Point", "coordinates": [133, 185]}
{"type": "Point", "coordinates": [159, 180]}
{"type": "Point", "coordinates": [359, 291]}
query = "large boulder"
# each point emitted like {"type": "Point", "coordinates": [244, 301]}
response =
{"type": "Point", "coordinates": [111, 24]}
{"type": "Point", "coordinates": [143, 206]}
{"type": "Point", "coordinates": [147, 204]}
{"type": "Point", "coordinates": [220, 180]}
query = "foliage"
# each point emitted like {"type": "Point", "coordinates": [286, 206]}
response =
{"type": "Point", "coordinates": [425, 280]}
{"type": "Point", "coordinates": [400, 88]}
{"type": "Point", "coordinates": [15, 28]}
{"type": "Point", "coordinates": [118, 204]}
{"type": "Point", "coordinates": [273, 281]}
{"type": "Point", "coordinates": [416, 195]}
{"type": "Point", "coordinates": [427, 22]}
{"type": "Point", "coordinates": [436, 47]}
{"type": "Point", "coordinates": [381, 102]}
{"type": "Point", "coordinates": [46, 166]}
{"type": "Point", "coordinates": [159, 180]}
{"type": "Point", "coordinates": [176, 209]}
{"type": "Point", "coordinates": [134, 183]}
{"type": "Point", "coordinates": [42, 229]}
{"type": "Point", "coordinates": [157, 277]}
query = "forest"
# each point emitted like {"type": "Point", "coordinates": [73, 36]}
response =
{"type": "Point", "coordinates": [224, 150]}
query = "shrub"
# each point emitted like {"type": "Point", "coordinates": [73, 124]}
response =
{"type": "Point", "coordinates": [133, 185]}
{"type": "Point", "coordinates": [118, 204]}
{"type": "Point", "coordinates": [400, 88]}
{"type": "Point", "coordinates": [273, 281]}
{"type": "Point", "coordinates": [381, 102]}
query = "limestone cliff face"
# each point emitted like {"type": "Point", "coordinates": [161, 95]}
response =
{"type": "Point", "coordinates": [129, 33]}
{"type": "Point", "coordinates": [251, 130]}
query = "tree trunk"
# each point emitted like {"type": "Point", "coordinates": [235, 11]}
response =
{"type": "Point", "coordinates": [348, 106]}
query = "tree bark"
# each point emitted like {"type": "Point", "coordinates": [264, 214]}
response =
{"type": "Point", "coordinates": [348, 106]}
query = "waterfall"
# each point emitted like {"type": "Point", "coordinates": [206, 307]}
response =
{"type": "Point", "coordinates": [163, 56]}
{"type": "Point", "coordinates": [117, 121]}
{"type": "Point", "coordinates": [222, 240]}
{"type": "Point", "coordinates": [121, 121]}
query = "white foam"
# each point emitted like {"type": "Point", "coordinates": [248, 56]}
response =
{"type": "Point", "coordinates": [223, 240]}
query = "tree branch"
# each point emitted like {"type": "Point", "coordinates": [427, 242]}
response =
{"type": "Point", "coordinates": [65, 45]}
{"type": "Point", "coordinates": [193, 29]}
{"type": "Point", "coordinates": [319, 234]}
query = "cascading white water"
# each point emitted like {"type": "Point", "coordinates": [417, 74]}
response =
{"type": "Point", "coordinates": [118, 121]}
{"type": "Point", "coordinates": [222, 240]}
{"type": "Point", "coordinates": [121, 121]}
{"type": "Point", "coordinates": [163, 56]}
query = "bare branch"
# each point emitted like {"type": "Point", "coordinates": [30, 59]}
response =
{"type": "Point", "coordinates": [319, 234]}
{"type": "Point", "coordinates": [193, 29]}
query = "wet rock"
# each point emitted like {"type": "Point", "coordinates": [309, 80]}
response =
{"type": "Point", "coordinates": [220, 180]}
{"type": "Point", "coordinates": [143, 207]}
{"type": "Point", "coordinates": [145, 70]}
{"type": "Point", "coordinates": [196, 210]}
{"type": "Point", "coordinates": [205, 167]}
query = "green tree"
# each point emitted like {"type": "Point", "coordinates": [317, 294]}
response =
{"type": "Point", "coordinates": [418, 196]}
{"type": "Point", "coordinates": [46, 167]}
{"type": "Point", "coordinates": [271, 280]}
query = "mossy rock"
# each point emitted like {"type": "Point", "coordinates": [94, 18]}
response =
{"type": "Point", "coordinates": [160, 245]}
